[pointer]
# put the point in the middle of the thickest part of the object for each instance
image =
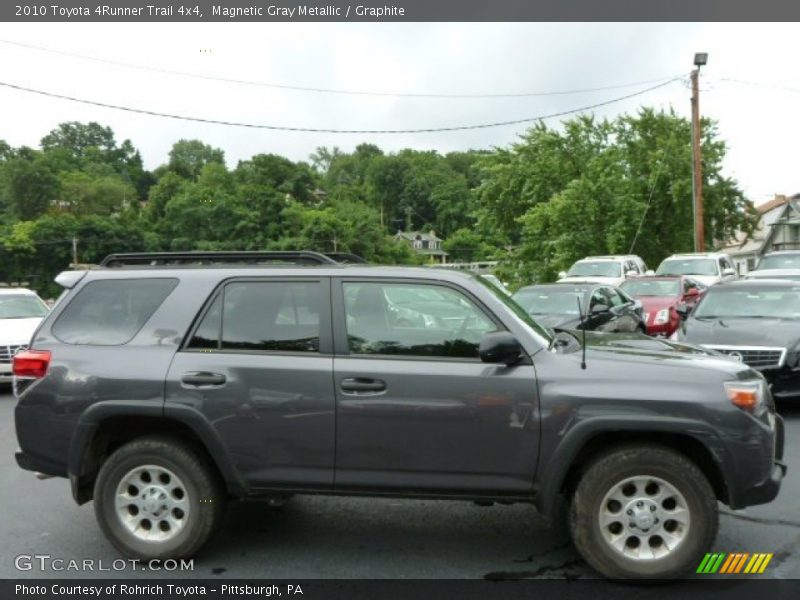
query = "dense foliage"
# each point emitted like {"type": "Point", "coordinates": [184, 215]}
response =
{"type": "Point", "coordinates": [586, 187]}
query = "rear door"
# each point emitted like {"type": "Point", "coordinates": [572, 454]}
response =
{"type": "Point", "coordinates": [258, 366]}
{"type": "Point", "coordinates": [417, 410]}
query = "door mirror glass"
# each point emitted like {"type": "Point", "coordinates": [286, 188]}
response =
{"type": "Point", "coordinates": [500, 347]}
{"type": "Point", "coordinates": [682, 310]}
{"type": "Point", "coordinates": [599, 309]}
{"type": "Point", "coordinates": [631, 273]}
{"type": "Point", "coordinates": [692, 292]}
{"type": "Point", "coordinates": [562, 274]}
{"type": "Point", "coordinates": [728, 272]}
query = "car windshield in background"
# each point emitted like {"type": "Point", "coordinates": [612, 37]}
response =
{"type": "Point", "coordinates": [549, 302]}
{"type": "Point", "coordinates": [644, 287]}
{"type": "Point", "coordinates": [21, 307]}
{"type": "Point", "coordinates": [691, 266]}
{"type": "Point", "coordinates": [780, 261]}
{"type": "Point", "coordinates": [595, 268]}
{"type": "Point", "coordinates": [777, 303]}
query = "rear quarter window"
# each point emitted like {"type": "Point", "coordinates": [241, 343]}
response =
{"type": "Point", "coordinates": [111, 312]}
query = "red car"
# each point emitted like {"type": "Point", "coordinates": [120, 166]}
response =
{"type": "Point", "coordinates": [660, 296]}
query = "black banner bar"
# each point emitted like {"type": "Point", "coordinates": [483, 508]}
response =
{"type": "Point", "coordinates": [188, 11]}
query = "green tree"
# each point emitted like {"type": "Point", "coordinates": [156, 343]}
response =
{"type": "Point", "coordinates": [188, 157]}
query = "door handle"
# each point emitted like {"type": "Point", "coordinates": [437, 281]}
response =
{"type": "Point", "coordinates": [360, 384]}
{"type": "Point", "coordinates": [203, 379]}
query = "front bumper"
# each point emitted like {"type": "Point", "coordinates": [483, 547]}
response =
{"type": "Point", "coordinates": [6, 373]}
{"type": "Point", "coordinates": [784, 383]}
{"type": "Point", "coordinates": [768, 488]}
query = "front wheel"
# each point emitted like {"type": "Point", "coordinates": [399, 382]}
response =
{"type": "Point", "coordinates": [155, 498]}
{"type": "Point", "coordinates": [643, 512]}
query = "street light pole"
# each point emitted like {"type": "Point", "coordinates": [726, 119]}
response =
{"type": "Point", "coordinates": [700, 59]}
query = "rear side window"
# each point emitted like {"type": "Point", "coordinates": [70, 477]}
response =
{"type": "Point", "coordinates": [111, 312]}
{"type": "Point", "coordinates": [262, 316]}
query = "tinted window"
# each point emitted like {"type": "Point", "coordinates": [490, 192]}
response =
{"type": "Point", "coordinates": [262, 316]}
{"type": "Point", "coordinates": [782, 303]}
{"type": "Point", "coordinates": [550, 301]}
{"type": "Point", "coordinates": [413, 319]}
{"type": "Point", "coordinates": [651, 287]}
{"type": "Point", "coordinates": [111, 312]}
{"type": "Point", "coordinates": [780, 261]}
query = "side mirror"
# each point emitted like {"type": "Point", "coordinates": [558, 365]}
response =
{"type": "Point", "coordinates": [599, 309]}
{"type": "Point", "coordinates": [637, 304]}
{"type": "Point", "coordinates": [500, 347]}
{"type": "Point", "coordinates": [631, 273]}
{"type": "Point", "coordinates": [649, 272]}
{"type": "Point", "coordinates": [692, 292]}
{"type": "Point", "coordinates": [682, 310]}
{"type": "Point", "coordinates": [728, 272]}
{"type": "Point", "coordinates": [562, 274]}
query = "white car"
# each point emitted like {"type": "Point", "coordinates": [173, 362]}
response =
{"type": "Point", "coordinates": [783, 264]}
{"type": "Point", "coordinates": [706, 267]}
{"type": "Point", "coordinates": [21, 311]}
{"type": "Point", "coordinates": [610, 270]}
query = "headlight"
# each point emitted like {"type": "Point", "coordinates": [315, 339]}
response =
{"type": "Point", "coordinates": [747, 395]}
{"type": "Point", "coordinates": [662, 316]}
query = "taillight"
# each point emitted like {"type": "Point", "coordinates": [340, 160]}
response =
{"type": "Point", "coordinates": [31, 363]}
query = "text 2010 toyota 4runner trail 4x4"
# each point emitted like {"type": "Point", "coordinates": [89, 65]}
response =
{"type": "Point", "coordinates": [164, 384]}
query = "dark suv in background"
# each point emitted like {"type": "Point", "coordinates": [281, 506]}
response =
{"type": "Point", "coordinates": [164, 384]}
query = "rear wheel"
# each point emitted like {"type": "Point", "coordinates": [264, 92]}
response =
{"type": "Point", "coordinates": [643, 512]}
{"type": "Point", "coordinates": [155, 498]}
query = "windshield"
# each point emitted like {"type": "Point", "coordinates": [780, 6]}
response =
{"type": "Point", "coordinates": [688, 266]}
{"type": "Point", "coordinates": [549, 302]}
{"type": "Point", "coordinates": [780, 261]}
{"type": "Point", "coordinates": [516, 309]}
{"type": "Point", "coordinates": [780, 303]}
{"type": "Point", "coordinates": [595, 268]}
{"type": "Point", "coordinates": [652, 287]}
{"type": "Point", "coordinates": [21, 307]}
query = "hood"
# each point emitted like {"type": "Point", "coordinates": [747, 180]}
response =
{"type": "Point", "coordinates": [653, 304]}
{"type": "Point", "coordinates": [742, 331]}
{"type": "Point", "coordinates": [14, 332]}
{"type": "Point", "coordinates": [638, 348]}
{"type": "Point", "coordinates": [590, 279]}
{"type": "Point", "coordinates": [706, 280]}
{"type": "Point", "coordinates": [773, 273]}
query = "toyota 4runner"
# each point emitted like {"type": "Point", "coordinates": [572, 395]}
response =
{"type": "Point", "coordinates": [163, 385]}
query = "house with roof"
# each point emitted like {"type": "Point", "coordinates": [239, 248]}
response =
{"type": "Point", "coordinates": [427, 244]}
{"type": "Point", "coordinates": [778, 229]}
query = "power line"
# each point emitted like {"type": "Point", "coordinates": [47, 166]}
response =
{"type": "Point", "coordinates": [328, 130]}
{"type": "Point", "coordinates": [322, 90]}
{"type": "Point", "coordinates": [757, 84]}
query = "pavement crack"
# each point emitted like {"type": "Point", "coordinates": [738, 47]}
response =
{"type": "Point", "coordinates": [760, 520]}
{"type": "Point", "coordinates": [516, 575]}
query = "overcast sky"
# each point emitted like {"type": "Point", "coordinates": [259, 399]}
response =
{"type": "Point", "coordinates": [760, 122]}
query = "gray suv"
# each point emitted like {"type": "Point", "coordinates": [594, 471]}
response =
{"type": "Point", "coordinates": [163, 385]}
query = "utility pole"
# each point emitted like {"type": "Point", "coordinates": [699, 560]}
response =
{"type": "Point", "coordinates": [75, 251]}
{"type": "Point", "coordinates": [700, 59]}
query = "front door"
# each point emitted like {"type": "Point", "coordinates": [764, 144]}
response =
{"type": "Point", "coordinates": [259, 368]}
{"type": "Point", "coordinates": [417, 411]}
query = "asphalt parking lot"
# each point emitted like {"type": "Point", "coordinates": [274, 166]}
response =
{"type": "Point", "coordinates": [328, 537]}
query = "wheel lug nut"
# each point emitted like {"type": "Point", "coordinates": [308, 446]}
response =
{"type": "Point", "coordinates": [630, 512]}
{"type": "Point", "coordinates": [652, 509]}
{"type": "Point", "coordinates": [640, 504]}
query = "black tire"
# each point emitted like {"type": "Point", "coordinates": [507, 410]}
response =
{"type": "Point", "coordinates": [204, 494]}
{"type": "Point", "coordinates": [604, 475]}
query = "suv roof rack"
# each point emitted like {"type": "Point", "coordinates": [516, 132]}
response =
{"type": "Point", "coordinates": [346, 258]}
{"type": "Point", "coordinates": [154, 259]}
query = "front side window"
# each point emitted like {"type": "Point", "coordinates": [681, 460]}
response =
{"type": "Point", "coordinates": [413, 320]}
{"type": "Point", "coordinates": [261, 316]}
{"type": "Point", "coordinates": [112, 311]}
